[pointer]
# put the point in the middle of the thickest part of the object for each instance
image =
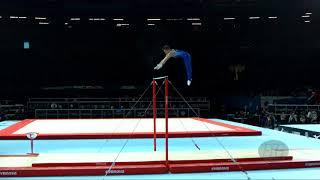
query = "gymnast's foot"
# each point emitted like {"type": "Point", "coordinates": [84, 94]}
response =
{"type": "Point", "coordinates": [189, 82]}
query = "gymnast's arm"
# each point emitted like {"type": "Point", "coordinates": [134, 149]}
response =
{"type": "Point", "coordinates": [165, 59]}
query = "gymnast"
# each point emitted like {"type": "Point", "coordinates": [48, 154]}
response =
{"type": "Point", "coordinates": [177, 54]}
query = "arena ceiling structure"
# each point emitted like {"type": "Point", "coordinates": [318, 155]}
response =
{"type": "Point", "coordinates": [61, 33]}
{"type": "Point", "coordinates": [209, 11]}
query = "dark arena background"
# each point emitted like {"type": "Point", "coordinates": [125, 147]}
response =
{"type": "Point", "coordinates": [88, 66]}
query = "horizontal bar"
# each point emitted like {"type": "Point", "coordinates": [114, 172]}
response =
{"type": "Point", "coordinates": [163, 77]}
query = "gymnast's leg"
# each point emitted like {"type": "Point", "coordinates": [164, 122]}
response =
{"type": "Point", "coordinates": [188, 65]}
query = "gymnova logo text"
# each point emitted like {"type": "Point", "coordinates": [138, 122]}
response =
{"type": "Point", "coordinates": [8, 173]}
{"type": "Point", "coordinates": [120, 171]}
{"type": "Point", "coordinates": [312, 164]}
{"type": "Point", "coordinates": [221, 168]}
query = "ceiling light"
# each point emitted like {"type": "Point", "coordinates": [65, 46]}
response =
{"type": "Point", "coordinates": [229, 18]}
{"type": "Point", "coordinates": [43, 23]}
{"type": "Point", "coordinates": [196, 24]}
{"type": "Point", "coordinates": [193, 19]}
{"type": "Point", "coordinates": [75, 19]}
{"type": "Point", "coordinates": [154, 19]}
{"type": "Point", "coordinates": [40, 18]}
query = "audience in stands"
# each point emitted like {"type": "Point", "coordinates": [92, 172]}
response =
{"type": "Point", "coordinates": [314, 98]}
{"type": "Point", "coordinates": [283, 118]}
{"type": "Point", "coordinates": [293, 118]}
{"type": "Point", "coordinates": [270, 120]}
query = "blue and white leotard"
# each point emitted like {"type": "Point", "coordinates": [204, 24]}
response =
{"type": "Point", "coordinates": [187, 61]}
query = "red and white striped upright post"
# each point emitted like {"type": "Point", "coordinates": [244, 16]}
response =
{"type": "Point", "coordinates": [166, 116]}
{"type": "Point", "coordinates": [154, 106]}
{"type": "Point", "coordinates": [166, 100]}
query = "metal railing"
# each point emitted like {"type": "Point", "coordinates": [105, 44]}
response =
{"type": "Point", "coordinates": [112, 113]}
{"type": "Point", "coordinates": [202, 104]}
{"type": "Point", "coordinates": [108, 99]}
{"type": "Point", "coordinates": [278, 109]}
